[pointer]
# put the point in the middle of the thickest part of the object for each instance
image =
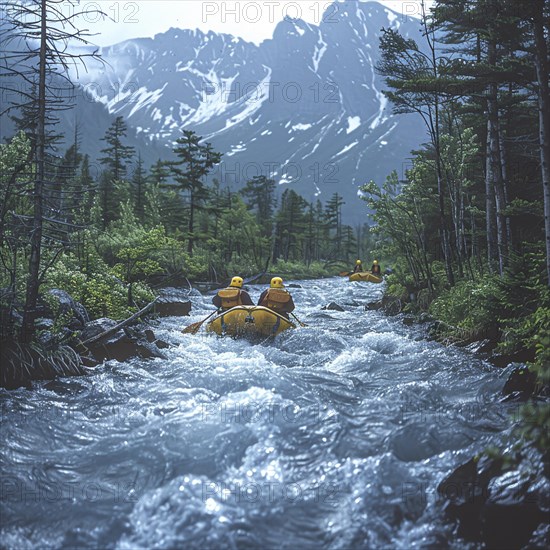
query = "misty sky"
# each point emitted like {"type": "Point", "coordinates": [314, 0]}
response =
{"type": "Point", "coordinates": [253, 20]}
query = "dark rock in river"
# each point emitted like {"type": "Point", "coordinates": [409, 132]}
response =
{"type": "Point", "coordinates": [173, 302]}
{"type": "Point", "coordinates": [333, 306]}
{"type": "Point", "coordinates": [97, 327]}
{"type": "Point", "coordinates": [521, 380]}
{"type": "Point", "coordinates": [481, 346]}
{"type": "Point", "coordinates": [465, 492]}
{"type": "Point", "coordinates": [503, 360]}
{"type": "Point", "coordinates": [499, 509]}
{"type": "Point", "coordinates": [390, 305]}
{"type": "Point", "coordinates": [511, 513]}
{"type": "Point", "coordinates": [121, 346]}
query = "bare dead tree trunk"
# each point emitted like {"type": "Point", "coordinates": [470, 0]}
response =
{"type": "Point", "coordinates": [33, 281]}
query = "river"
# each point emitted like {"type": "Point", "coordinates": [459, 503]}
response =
{"type": "Point", "coordinates": [331, 436]}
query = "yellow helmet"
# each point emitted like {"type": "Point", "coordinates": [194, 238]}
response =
{"type": "Point", "coordinates": [375, 262]}
{"type": "Point", "coordinates": [358, 262]}
{"type": "Point", "coordinates": [237, 282]}
{"type": "Point", "coordinates": [277, 282]}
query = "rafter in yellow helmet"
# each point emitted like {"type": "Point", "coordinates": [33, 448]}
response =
{"type": "Point", "coordinates": [277, 282]}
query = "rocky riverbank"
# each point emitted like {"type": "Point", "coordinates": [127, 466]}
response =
{"type": "Point", "coordinates": [69, 343]}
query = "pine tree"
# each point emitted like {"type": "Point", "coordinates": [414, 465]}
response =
{"type": "Point", "coordinates": [333, 220]}
{"type": "Point", "coordinates": [290, 223]}
{"type": "Point", "coordinates": [195, 162]}
{"type": "Point", "coordinates": [138, 186]}
{"type": "Point", "coordinates": [159, 173]}
{"type": "Point", "coordinates": [538, 16]}
{"type": "Point", "coordinates": [259, 193]}
{"type": "Point", "coordinates": [117, 155]}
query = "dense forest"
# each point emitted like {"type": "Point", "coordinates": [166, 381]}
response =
{"type": "Point", "coordinates": [469, 228]}
{"type": "Point", "coordinates": [467, 231]}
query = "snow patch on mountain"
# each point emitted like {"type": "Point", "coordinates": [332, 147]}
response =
{"type": "Point", "coordinates": [320, 49]}
{"type": "Point", "coordinates": [301, 127]}
{"type": "Point", "coordinates": [353, 123]}
{"type": "Point", "coordinates": [346, 148]}
{"type": "Point", "coordinates": [143, 98]}
{"type": "Point", "coordinates": [393, 19]}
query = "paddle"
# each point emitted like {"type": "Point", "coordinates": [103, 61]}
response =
{"type": "Point", "coordinates": [193, 328]}
{"type": "Point", "coordinates": [344, 273]}
{"type": "Point", "coordinates": [300, 322]}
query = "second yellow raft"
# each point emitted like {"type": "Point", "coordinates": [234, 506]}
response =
{"type": "Point", "coordinates": [365, 276]}
{"type": "Point", "coordinates": [249, 321]}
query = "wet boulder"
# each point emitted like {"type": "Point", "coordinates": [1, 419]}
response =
{"type": "Point", "coordinates": [333, 306]}
{"type": "Point", "coordinates": [120, 345]}
{"type": "Point", "coordinates": [151, 338]}
{"type": "Point", "coordinates": [294, 285]}
{"type": "Point", "coordinates": [97, 327]}
{"type": "Point", "coordinates": [67, 305]}
{"type": "Point", "coordinates": [390, 305]}
{"type": "Point", "coordinates": [173, 302]}
{"type": "Point", "coordinates": [505, 359]}
{"type": "Point", "coordinates": [498, 508]}
{"type": "Point", "coordinates": [481, 347]}
{"type": "Point", "coordinates": [464, 492]}
{"type": "Point", "coordinates": [521, 380]}
{"type": "Point", "coordinates": [511, 513]}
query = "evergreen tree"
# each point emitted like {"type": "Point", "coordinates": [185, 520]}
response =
{"type": "Point", "coordinates": [333, 220]}
{"type": "Point", "coordinates": [138, 186]}
{"type": "Point", "coordinates": [117, 155]}
{"type": "Point", "coordinates": [259, 193]}
{"type": "Point", "coordinates": [159, 173]}
{"type": "Point", "coordinates": [195, 161]}
{"type": "Point", "coordinates": [290, 223]}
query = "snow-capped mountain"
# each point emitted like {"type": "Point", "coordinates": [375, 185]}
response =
{"type": "Point", "coordinates": [304, 107]}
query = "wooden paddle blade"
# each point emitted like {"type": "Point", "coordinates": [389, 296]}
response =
{"type": "Point", "coordinates": [193, 328]}
{"type": "Point", "coordinates": [344, 273]}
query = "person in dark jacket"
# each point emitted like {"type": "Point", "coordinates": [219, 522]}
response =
{"type": "Point", "coordinates": [375, 269]}
{"type": "Point", "coordinates": [358, 267]}
{"type": "Point", "coordinates": [232, 296]}
{"type": "Point", "coordinates": [277, 298]}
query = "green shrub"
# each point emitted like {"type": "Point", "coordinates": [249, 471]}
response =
{"type": "Point", "coordinates": [100, 291]}
{"type": "Point", "coordinates": [468, 305]}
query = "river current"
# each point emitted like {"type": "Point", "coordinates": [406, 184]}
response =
{"type": "Point", "coordinates": [331, 436]}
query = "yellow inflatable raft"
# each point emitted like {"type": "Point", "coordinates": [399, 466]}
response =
{"type": "Point", "coordinates": [249, 321]}
{"type": "Point", "coordinates": [365, 276]}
